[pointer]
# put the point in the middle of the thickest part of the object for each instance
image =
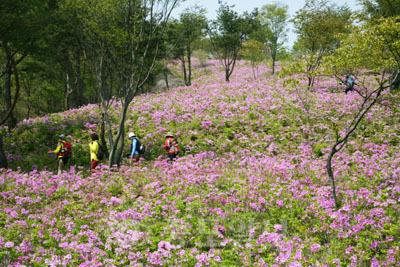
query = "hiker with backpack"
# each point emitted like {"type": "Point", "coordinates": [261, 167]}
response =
{"type": "Point", "coordinates": [63, 152]}
{"type": "Point", "coordinates": [171, 146]}
{"type": "Point", "coordinates": [96, 152]}
{"type": "Point", "coordinates": [137, 147]}
{"type": "Point", "coordinates": [350, 82]}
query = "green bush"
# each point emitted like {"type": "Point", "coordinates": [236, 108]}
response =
{"type": "Point", "coordinates": [317, 150]}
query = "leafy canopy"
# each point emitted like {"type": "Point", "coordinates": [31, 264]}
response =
{"type": "Point", "coordinates": [318, 25]}
{"type": "Point", "coordinates": [374, 47]}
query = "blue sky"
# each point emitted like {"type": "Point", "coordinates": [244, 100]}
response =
{"type": "Point", "coordinates": [248, 5]}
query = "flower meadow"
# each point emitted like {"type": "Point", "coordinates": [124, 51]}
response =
{"type": "Point", "coordinates": [249, 189]}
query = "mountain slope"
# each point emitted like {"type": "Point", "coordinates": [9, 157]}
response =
{"type": "Point", "coordinates": [250, 188]}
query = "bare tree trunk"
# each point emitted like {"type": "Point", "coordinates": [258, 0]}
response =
{"type": "Point", "coordinates": [226, 71]}
{"type": "Point", "coordinates": [273, 56]}
{"type": "Point", "coordinates": [27, 88]}
{"type": "Point", "coordinates": [105, 98]}
{"type": "Point", "coordinates": [102, 135]}
{"type": "Point", "coordinates": [253, 68]}
{"type": "Point", "coordinates": [330, 174]}
{"type": "Point", "coordinates": [340, 142]}
{"type": "Point", "coordinates": [166, 72]}
{"type": "Point", "coordinates": [230, 66]}
{"type": "Point", "coordinates": [116, 152]}
{"type": "Point", "coordinates": [184, 70]}
{"type": "Point", "coordinates": [310, 82]}
{"type": "Point", "coordinates": [68, 91]}
{"type": "Point", "coordinates": [273, 66]}
{"type": "Point", "coordinates": [17, 86]}
{"type": "Point", "coordinates": [3, 159]}
{"type": "Point", "coordinates": [12, 122]}
{"type": "Point", "coordinates": [313, 65]}
{"type": "Point", "coordinates": [189, 52]}
{"type": "Point", "coordinates": [79, 100]}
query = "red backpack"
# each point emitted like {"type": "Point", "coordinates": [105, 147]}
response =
{"type": "Point", "coordinates": [67, 150]}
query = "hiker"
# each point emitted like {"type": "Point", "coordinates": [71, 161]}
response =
{"type": "Point", "coordinates": [94, 150]}
{"type": "Point", "coordinates": [63, 152]}
{"type": "Point", "coordinates": [171, 146]}
{"type": "Point", "coordinates": [134, 154]}
{"type": "Point", "coordinates": [349, 83]}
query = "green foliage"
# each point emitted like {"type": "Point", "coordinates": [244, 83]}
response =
{"type": "Point", "coordinates": [183, 37]}
{"type": "Point", "coordinates": [319, 26]}
{"type": "Point", "coordinates": [255, 52]}
{"type": "Point", "coordinates": [229, 133]}
{"type": "Point", "coordinates": [22, 17]}
{"type": "Point", "coordinates": [202, 56]}
{"type": "Point", "coordinates": [228, 33]}
{"type": "Point", "coordinates": [31, 143]}
{"type": "Point", "coordinates": [193, 22]}
{"type": "Point", "coordinates": [124, 42]}
{"type": "Point", "coordinates": [115, 189]}
{"type": "Point", "coordinates": [317, 150]}
{"type": "Point", "coordinates": [23, 25]}
{"type": "Point", "coordinates": [373, 10]}
{"type": "Point", "coordinates": [372, 46]}
{"type": "Point", "coordinates": [273, 31]}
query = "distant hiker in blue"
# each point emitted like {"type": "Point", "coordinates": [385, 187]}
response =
{"type": "Point", "coordinates": [349, 83]}
{"type": "Point", "coordinates": [134, 154]}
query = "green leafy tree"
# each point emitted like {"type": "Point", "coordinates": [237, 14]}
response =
{"type": "Point", "coordinates": [193, 23]}
{"type": "Point", "coordinates": [373, 46]}
{"type": "Point", "coordinates": [273, 18]}
{"type": "Point", "coordinates": [375, 9]}
{"type": "Point", "coordinates": [21, 26]}
{"type": "Point", "coordinates": [45, 41]}
{"type": "Point", "coordinates": [318, 26]}
{"type": "Point", "coordinates": [371, 13]}
{"type": "Point", "coordinates": [68, 50]}
{"type": "Point", "coordinates": [60, 59]}
{"type": "Point", "coordinates": [255, 52]}
{"type": "Point", "coordinates": [183, 37]}
{"type": "Point", "coordinates": [228, 33]}
{"type": "Point", "coordinates": [123, 42]}
{"type": "Point", "coordinates": [173, 39]}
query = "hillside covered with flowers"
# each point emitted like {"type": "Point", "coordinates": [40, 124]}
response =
{"type": "Point", "coordinates": [250, 187]}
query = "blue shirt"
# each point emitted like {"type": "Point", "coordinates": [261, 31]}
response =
{"type": "Point", "coordinates": [134, 150]}
{"type": "Point", "coordinates": [350, 81]}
